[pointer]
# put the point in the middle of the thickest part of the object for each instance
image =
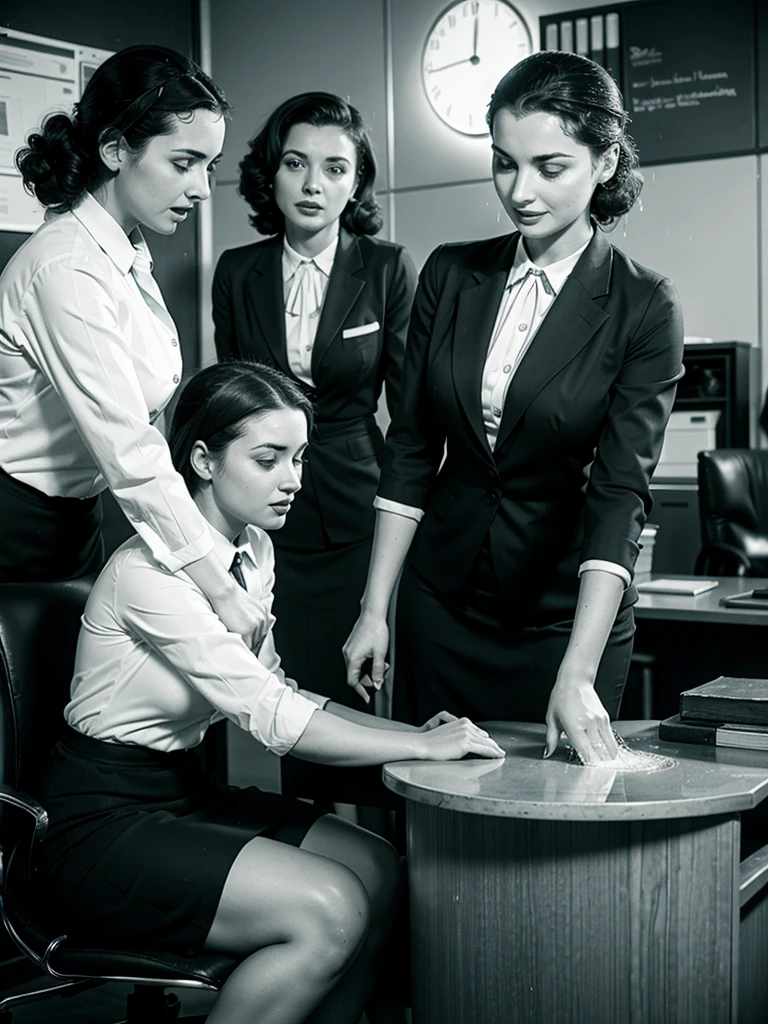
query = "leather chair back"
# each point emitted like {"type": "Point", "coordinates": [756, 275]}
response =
{"type": "Point", "coordinates": [733, 510]}
{"type": "Point", "coordinates": [39, 626]}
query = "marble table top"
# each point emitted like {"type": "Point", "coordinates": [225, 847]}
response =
{"type": "Point", "coordinates": [702, 780]}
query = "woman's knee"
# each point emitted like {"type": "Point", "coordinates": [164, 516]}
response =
{"type": "Point", "coordinates": [333, 915]}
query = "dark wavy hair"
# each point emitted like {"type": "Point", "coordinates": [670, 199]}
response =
{"type": "Point", "coordinates": [216, 402]}
{"type": "Point", "coordinates": [134, 95]}
{"type": "Point", "coordinates": [590, 108]}
{"type": "Point", "coordinates": [362, 215]}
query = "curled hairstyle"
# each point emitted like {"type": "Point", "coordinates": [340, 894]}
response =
{"type": "Point", "coordinates": [362, 215]}
{"type": "Point", "coordinates": [135, 95]}
{"type": "Point", "coordinates": [216, 402]}
{"type": "Point", "coordinates": [589, 106]}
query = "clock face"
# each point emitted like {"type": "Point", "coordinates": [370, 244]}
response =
{"type": "Point", "coordinates": [468, 51]}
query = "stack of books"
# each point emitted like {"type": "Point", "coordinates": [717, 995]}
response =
{"type": "Point", "coordinates": [727, 712]}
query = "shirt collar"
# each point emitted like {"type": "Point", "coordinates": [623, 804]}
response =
{"type": "Point", "coordinates": [225, 550]}
{"type": "Point", "coordinates": [323, 261]}
{"type": "Point", "coordinates": [557, 273]}
{"type": "Point", "coordinates": [108, 234]}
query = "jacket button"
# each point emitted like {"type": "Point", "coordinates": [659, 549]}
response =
{"type": "Point", "coordinates": [492, 498]}
{"type": "Point", "coordinates": [490, 476]}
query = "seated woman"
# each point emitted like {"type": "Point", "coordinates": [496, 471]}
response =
{"type": "Point", "coordinates": [144, 848]}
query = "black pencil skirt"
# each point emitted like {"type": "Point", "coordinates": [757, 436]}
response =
{"type": "Point", "coordinates": [470, 657]}
{"type": "Point", "coordinates": [43, 538]}
{"type": "Point", "coordinates": [140, 842]}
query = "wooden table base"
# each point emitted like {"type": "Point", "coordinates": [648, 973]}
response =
{"type": "Point", "coordinates": [519, 921]}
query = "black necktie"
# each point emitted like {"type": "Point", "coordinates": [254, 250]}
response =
{"type": "Point", "coordinates": [236, 569]}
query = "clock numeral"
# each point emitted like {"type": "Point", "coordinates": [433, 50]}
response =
{"type": "Point", "coordinates": [451, 21]}
{"type": "Point", "coordinates": [475, 6]}
{"type": "Point", "coordinates": [434, 44]}
{"type": "Point", "coordinates": [436, 90]}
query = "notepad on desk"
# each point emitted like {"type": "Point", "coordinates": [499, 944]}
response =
{"type": "Point", "coordinates": [665, 586]}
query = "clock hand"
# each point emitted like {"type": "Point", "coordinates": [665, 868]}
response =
{"type": "Point", "coordinates": [455, 63]}
{"type": "Point", "coordinates": [474, 57]}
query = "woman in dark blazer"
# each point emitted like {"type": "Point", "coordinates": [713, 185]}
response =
{"type": "Point", "coordinates": [547, 361]}
{"type": "Point", "coordinates": [328, 304]}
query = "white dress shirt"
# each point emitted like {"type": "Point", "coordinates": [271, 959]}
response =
{"type": "Point", "coordinates": [155, 665]}
{"type": "Point", "coordinates": [305, 282]}
{"type": "Point", "coordinates": [528, 296]}
{"type": "Point", "coordinates": [89, 358]}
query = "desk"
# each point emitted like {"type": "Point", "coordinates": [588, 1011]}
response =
{"type": "Point", "coordinates": [704, 608]}
{"type": "Point", "coordinates": [695, 640]}
{"type": "Point", "coordinates": [543, 892]}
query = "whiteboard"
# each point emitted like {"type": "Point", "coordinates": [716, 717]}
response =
{"type": "Point", "coordinates": [37, 77]}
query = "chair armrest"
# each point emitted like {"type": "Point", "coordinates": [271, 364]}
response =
{"type": "Point", "coordinates": [720, 559]}
{"type": "Point", "coordinates": [753, 875]}
{"type": "Point", "coordinates": [23, 802]}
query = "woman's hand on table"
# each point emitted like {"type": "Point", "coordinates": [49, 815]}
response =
{"type": "Point", "coordinates": [454, 740]}
{"type": "Point", "coordinates": [575, 709]}
{"type": "Point", "coordinates": [441, 718]}
{"type": "Point", "coordinates": [368, 642]}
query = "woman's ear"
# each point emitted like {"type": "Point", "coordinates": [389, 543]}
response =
{"type": "Point", "coordinates": [201, 461]}
{"type": "Point", "coordinates": [113, 154]}
{"type": "Point", "coordinates": [610, 161]}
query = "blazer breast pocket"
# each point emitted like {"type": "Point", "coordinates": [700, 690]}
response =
{"type": "Point", "coordinates": [361, 330]}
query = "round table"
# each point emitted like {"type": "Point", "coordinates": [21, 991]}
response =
{"type": "Point", "coordinates": [544, 892]}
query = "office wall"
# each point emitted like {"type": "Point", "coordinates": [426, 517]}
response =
{"type": "Point", "coordinates": [703, 223]}
{"type": "Point", "coordinates": [111, 27]}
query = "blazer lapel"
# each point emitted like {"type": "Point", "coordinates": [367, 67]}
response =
{"type": "Point", "coordinates": [572, 320]}
{"type": "Point", "coordinates": [476, 312]}
{"type": "Point", "coordinates": [343, 290]}
{"type": "Point", "coordinates": [266, 297]}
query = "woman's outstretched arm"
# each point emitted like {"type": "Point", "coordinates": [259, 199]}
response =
{"type": "Point", "coordinates": [392, 538]}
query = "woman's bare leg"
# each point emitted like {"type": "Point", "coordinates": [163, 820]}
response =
{"type": "Point", "coordinates": [299, 920]}
{"type": "Point", "coordinates": [377, 865]}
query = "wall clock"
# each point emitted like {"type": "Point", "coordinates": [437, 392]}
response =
{"type": "Point", "coordinates": [468, 50]}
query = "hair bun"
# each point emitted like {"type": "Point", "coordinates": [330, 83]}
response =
{"type": "Point", "coordinates": [52, 165]}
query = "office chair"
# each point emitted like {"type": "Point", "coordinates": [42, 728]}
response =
{"type": "Point", "coordinates": [39, 624]}
{"type": "Point", "coordinates": [733, 511]}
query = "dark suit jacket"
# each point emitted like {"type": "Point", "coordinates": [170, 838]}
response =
{"type": "Point", "coordinates": [372, 282]}
{"type": "Point", "coordinates": [580, 434]}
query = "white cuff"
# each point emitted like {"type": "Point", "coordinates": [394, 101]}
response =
{"type": "Point", "coordinates": [604, 566]}
{"type": "Point", "coordinates": [409, 511]}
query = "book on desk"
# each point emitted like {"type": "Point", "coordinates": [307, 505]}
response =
{"type": "Point", "coordinates": [726, 712]}
{"type": "Point", "coordinates": [691, 588]}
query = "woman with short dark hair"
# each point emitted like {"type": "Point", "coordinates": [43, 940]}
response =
{"type": "Point", "coordinates": [144, 849]}
{"type": "Point", "coordinates": [89, 355]}
{"type": "Point", "coordinates": [328, 304]}
{"type": "Point", "coordinates": [540, 373]}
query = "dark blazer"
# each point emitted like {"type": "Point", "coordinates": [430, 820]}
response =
{"type": "Point", "coordinates": [371, 282]}
{"type": "Point", "coordinates": [581, 430]}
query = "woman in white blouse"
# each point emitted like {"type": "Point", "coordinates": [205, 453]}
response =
{"type": "Point", "coordinates": [143, 848]}
{"type": "Point", "coordinates": [89, 355]}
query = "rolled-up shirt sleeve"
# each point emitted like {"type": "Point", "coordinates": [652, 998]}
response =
{"type": "Point", "coordinates": [170, 615]}
{"type": "Point", "coordinates": [78, 343]}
